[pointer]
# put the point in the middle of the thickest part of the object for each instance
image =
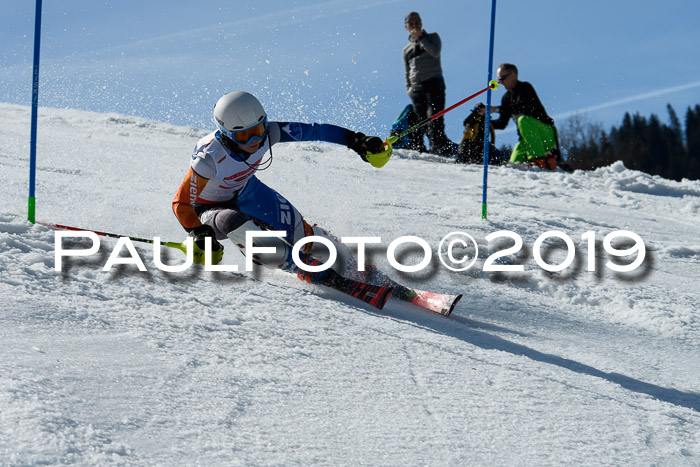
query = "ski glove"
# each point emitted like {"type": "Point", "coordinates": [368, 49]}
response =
{"type": "Point", "coordinates": [362, 144]}
{"type": "Point", "coordinates": [199, 234]}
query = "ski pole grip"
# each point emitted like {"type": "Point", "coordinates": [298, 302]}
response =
{"type": "Point", "coordinates": [379, 160]}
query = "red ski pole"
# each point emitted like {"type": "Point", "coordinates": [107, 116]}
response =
{"type": "Point", "coordinates": [493, 84]}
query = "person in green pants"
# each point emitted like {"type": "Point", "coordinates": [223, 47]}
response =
{"type": "Point", "coordinates": [538, 135]}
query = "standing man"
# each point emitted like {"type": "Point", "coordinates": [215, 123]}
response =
{"type": "Point", "coordinates": [538, 135]}
{"type": "Point", "coordinates": [424, 82]}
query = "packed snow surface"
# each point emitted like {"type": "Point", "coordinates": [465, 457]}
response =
{"type": "Point", "coordinates": [124, 367]}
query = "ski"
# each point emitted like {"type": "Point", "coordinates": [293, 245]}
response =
{"type": "Point", "coordinates": [375, 288]}
{"type": "Point", "coordinates": [375, 295]}
{"type": "Point", "coordinates": [433, 301]}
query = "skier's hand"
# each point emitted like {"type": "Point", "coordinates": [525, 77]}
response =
{"type": "Point", "coordinates": [199, 234]}
{"type": "Point", "coordinates": [362, 144]}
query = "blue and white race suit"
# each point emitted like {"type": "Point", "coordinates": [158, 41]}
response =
{"type": "Point", "coordinates": [222, 191]}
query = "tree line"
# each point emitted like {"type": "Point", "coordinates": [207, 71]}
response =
{"type": "Point", "coordinates": [644, 144]}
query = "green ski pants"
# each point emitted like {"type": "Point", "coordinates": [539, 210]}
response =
{"type": "Point", "coordinates": [536, 139]}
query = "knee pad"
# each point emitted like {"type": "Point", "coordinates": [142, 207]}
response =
{"type": "Point", "coordinates": [315, 249]}
{"type": "Point", "coordinates": [346, 262]}
{"type": "Point", "coordinates": [228, 220]}
{"type": "Point", "coordinates": [281, 258]}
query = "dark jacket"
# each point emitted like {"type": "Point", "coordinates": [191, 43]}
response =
{"type": "Point", "coordinates": [521, 100]}
{"type": "Point", "coordinates": [471, 148]}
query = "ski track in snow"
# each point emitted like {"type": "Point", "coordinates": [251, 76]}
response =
{"type": "Point", "coordinates": [148, 368]}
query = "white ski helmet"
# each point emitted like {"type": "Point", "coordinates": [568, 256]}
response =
{"type": "Point", "coordinates": [238, 111]}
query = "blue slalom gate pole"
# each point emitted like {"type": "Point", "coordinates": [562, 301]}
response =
{"type": "Point", "coordinates": [35, 111]}
{"type": "Point", "coordinates": [487, 121]}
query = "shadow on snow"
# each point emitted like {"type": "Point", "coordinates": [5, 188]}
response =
{"type": "Point", "coordinates": [478, 333]}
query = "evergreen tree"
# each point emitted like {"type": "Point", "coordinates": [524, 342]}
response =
{"type": "Point", "coordinates": [656, 157]}
{"type": "Point", "coordinates": [692, 138]}
{"type": "Point", "coordinates": [675, 123]}
{"type": "Point", "coordinates": [677, 154]}
{"type": "Point", "coordinates": [647, 145]}
{"type": "Point", "coordinates": [627, 141]}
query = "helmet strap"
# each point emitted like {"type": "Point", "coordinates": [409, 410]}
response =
{"type": "Point", "coordinates": [266, 164]}
{"type": "Point", "coordinates": [243, 156]}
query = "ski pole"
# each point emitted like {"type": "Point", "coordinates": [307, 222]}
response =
{"type": "Point", "coordinates": [380, 159]}
{"type": "Point", "coordinates": [493, 84]}
{"type": "Point", "coordinates": [176, 245]}
{"type": "Point", "coordinates": [487, 116]}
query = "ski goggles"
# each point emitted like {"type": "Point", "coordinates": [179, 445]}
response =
{"type": "Point", "coordinates": [248, 135]}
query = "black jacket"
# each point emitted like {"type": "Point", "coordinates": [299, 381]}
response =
{"type": "Point", "coordinates": [521, 100]}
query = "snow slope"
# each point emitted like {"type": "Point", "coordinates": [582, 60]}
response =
{"type": "Point", "coordinates": [150, 368]}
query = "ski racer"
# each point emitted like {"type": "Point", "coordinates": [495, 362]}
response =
{"type": "Point", "coordinates": [221, 197]}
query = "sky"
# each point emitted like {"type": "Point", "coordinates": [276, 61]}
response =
{"type": "Point", "coordinates": [339, 61]}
